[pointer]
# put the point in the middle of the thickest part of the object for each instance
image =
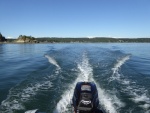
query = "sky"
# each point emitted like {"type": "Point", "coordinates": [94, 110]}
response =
{"type": "Point", "coordinates": [75, 18]}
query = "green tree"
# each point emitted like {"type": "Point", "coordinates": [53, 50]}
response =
{"type": "Point", "coordinates": [2, 38]}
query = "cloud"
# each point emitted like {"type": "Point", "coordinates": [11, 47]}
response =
{"type": "Point", "coordinates": [90, 36]}
{"type": "Point", "coordinates": [9, 37]}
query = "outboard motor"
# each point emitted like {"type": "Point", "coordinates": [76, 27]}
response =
{"type": "Point", "coordinates": [85, 98]}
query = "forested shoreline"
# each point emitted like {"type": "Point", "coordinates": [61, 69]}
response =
{"type": "Point", "coordinates": [30, 39]}
{"type": "Point", "coordinates": [92, 40]}
{"type": "Point", "coordinates": [84, 40]}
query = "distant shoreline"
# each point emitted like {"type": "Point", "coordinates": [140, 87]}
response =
{"type": "Point", "coordinates": [80, 40]}
{"type": "Point", "coordinates": [68, 42]}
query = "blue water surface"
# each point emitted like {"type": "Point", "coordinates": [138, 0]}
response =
{"type": "Point", "coordinates": [40, 75]}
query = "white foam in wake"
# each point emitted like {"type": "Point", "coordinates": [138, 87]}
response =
{"type": "Point", "coordinates": [117, 66]}
{"type": "Point", "coordinates": [17, 97]}
{"type": "Point", "coordinates": [52, 61]}
{"type": "Point", "coordinates": [138, 94]}
{"type": "Point", "coordinates": [86, 74]}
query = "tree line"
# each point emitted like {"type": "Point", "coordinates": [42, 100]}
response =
{"type": "Point", "coordinates": [92, 40]}
{"type": "Point", "coordinates": [72, 40]}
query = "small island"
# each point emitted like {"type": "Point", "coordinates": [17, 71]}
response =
{"type": "Point", "coordinates": [26, 39]}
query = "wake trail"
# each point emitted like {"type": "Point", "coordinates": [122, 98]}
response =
{"type": "Point", "coordinates": [23, 92]}
{"type": "Point", "coordinates": [18, 96]}
{"type": "Point", "coordinates": [138, 93]}
{"type": "Point", "coordinates": [86, 74]}
{"type": "Point", "coordinates": [52, 61]}
{"type": "Point", "coordinates": [62, 105]}
{"type": "Point", "coordinates": [117, 66]}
